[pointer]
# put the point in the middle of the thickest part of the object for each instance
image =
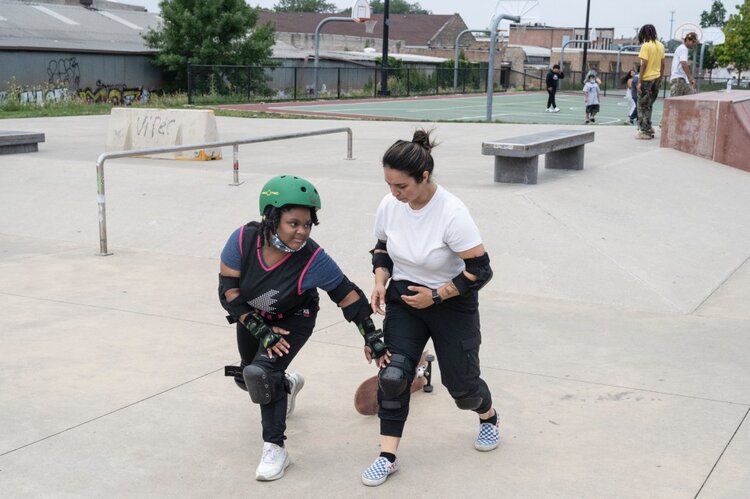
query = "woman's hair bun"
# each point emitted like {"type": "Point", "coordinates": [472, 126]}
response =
{"type": "Point", "coordinates": [422, 138]}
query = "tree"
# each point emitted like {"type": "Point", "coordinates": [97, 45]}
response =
{"type": "Point", "coordinates": [305, 6]}
{"type": "Point", "coordinates": [735, 51]}
{"type": "Point", "coordinates": [219, 32]}
{"type": "Point", "coordinates": [715, 17]}
{"type": "Point", "coordinates": [397, 7]}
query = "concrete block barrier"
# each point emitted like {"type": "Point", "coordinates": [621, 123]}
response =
{"type": "Point", "coordinates": [131, 128]}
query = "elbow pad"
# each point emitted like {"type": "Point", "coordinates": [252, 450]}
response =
{"type": "Point", "coordinates": [237, 307]}
{"type": "Point", "coordinates": [380, 257]}
{"type": "Point", "coordinates": [479, 267]}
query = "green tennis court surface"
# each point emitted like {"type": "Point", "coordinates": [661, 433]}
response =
{"type": "Point", "coordinates": [508, 108]}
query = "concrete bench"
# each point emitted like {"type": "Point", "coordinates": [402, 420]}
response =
{"type": "Point", "coordinates": [517, 158]}
{"type": "Point", "coordinates": [17, 142]}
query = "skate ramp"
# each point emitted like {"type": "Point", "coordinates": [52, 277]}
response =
{"type": "Point", "coordinates": [712, 125]}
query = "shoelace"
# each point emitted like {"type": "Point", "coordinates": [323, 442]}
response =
{"type": "Point", "coordinates": [269, 455]}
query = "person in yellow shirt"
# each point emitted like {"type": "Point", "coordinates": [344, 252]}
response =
{"type": "Point", "coordinates": [652, 69]}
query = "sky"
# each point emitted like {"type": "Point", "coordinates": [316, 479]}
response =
{"type": "Point", "coordinates": [624, 16]}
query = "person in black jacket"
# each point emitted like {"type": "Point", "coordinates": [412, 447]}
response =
{"type": "Point", "coordinates": [553, 77]}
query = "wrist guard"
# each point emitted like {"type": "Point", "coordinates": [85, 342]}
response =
{"type": "Point", "coordinates": [373, 337]}
{"type": "Point", "coordinates": [260, 330]}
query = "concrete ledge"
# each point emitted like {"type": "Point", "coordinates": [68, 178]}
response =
{"type": "Point", "coordinates": [147, 128]}
{"type": "Point", "coordinates": [19, 142]}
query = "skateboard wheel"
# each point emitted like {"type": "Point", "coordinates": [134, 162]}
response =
{"type": "Point", "coordinates": [430, 358]}
{"type": "Point", "coordinates": [427, 388]}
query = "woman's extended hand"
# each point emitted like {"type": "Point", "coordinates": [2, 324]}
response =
{"type": "Point", "coordinates": [377, 299]}
{"type": "Point", "coordinates": [281, 347]}
{"type": "Point", "coordinates": [381, 361]}
{"type": "Point", "coordinates": [422, 297]}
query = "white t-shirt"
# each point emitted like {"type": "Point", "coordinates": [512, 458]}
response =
{"type": "Point", "coordinates": [423, 243]}
{"type": "Point", "coordinates": [591, 93]}
{"type": "Point", "coordinates": [680, 55]}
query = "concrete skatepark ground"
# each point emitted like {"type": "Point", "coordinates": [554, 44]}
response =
{"type": "Point", "coordinates": [615, 332]}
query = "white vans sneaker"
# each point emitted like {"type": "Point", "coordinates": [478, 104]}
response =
{"type": "Point", "coordinates": [549, 109]}
{"type": "Point", "coordinates": [273, 462]}
{"type": "Point", "coordinates": [556, 110]}
{"type": "Point", "coordinates": [296, 382]}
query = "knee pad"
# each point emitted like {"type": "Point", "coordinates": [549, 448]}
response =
{"type": "Point", "coordinates": [263, 386]}
{"type": "Point", "coordinates": [394, 378]}
{"type": "Point", "coordinates": [468, 401]}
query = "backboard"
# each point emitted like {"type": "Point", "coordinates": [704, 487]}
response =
{"type": "Point", "coordinates": [681, 32]}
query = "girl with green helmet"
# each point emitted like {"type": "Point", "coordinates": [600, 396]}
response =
{"type": "Point", "coordinates": [270, 272]}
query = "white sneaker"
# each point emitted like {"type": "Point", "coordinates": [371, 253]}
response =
{"type": "Point", "coordinates": [549, 109]}
{"type": "Point", "coordinates": [296, 382]}
{"type": "Point", "coordinates": [273, 462]}
{"type": "Point", "coordinates": [556, 110]}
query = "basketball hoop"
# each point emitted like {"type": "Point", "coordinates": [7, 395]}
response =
{"type": "Point", "coordinates": [681, 32]}
{"type": "Point", "coordinates": [369, 25]}
{"type": "Point", "coordinates": [361, 14]}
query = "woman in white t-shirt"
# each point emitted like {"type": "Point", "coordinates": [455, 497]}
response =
{"type": "Point", "coordinates": [431, 250]}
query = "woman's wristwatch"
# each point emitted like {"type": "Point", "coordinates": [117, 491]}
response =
{"type": "Point", "coordinates": [436, 297]}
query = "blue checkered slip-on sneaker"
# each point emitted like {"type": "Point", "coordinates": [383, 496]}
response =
{"type": "Point", "coordinates": [379, 471]}
{"type": "Point", "coordinates": [488, 437]}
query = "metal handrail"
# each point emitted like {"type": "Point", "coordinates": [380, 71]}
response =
{"type": "Point", "coordinates": [100, 196]}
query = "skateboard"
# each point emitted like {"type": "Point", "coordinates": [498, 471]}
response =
{"type": "Point", "coordinates": [366, 396]}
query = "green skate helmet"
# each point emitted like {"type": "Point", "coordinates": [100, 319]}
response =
{"type": "Point", "coordinates": [288, 189]}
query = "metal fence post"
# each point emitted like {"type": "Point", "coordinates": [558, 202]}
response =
{"type": "Point", "coordinates": [189, 84]}
{"type": "Point", "coordinates": [295, 83]}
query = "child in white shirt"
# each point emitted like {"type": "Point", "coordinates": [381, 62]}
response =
{"type": "Point", "coordinates": [591, 98]}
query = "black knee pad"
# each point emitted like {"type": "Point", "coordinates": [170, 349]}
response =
{"type": "Point", "coordinates": [263, 386]}
{"type": "Point", "coordinates": [469, 401]}
{"type": "Point", "coordinates": [394, 378]}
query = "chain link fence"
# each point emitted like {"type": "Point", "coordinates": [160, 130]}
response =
{"type": "Point", "coordinates": [209, 83]}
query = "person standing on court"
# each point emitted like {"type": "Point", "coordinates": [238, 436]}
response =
{"type": "Point", "coordinates": [591, 98]}
{"type": "Point", "coordinates": [430, 250]}
{"type": "Point", "coordinates": [681, 81]}
{"type": "Point", "coordinates": [269, 277]}
{"type": "Point", "coordinates": [627, 81]}
{"type": "Point", "coordinates": [554, 76]}
{"type": "Point", "coordinates": [651, 58]}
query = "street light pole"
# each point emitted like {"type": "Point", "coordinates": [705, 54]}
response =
{"type": "Point", "coordinates": [384, 75]}
{"type": "Point", "coordinates": [585, 37]}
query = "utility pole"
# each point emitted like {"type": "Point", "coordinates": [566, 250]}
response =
{"type": "Point", "coordinates": [585, 37]}
{"type": "Point", "coordinates": [671, 24]}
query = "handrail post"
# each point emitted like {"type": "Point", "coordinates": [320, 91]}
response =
{"type": "Point", "coordinates": [491, 69]}
{"type": "Point", "coordinates": [102, 206]}
{"type": "Point", "coordinates": [236, 165]}
{"type": "Point", "coordinates": [349, 136]}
